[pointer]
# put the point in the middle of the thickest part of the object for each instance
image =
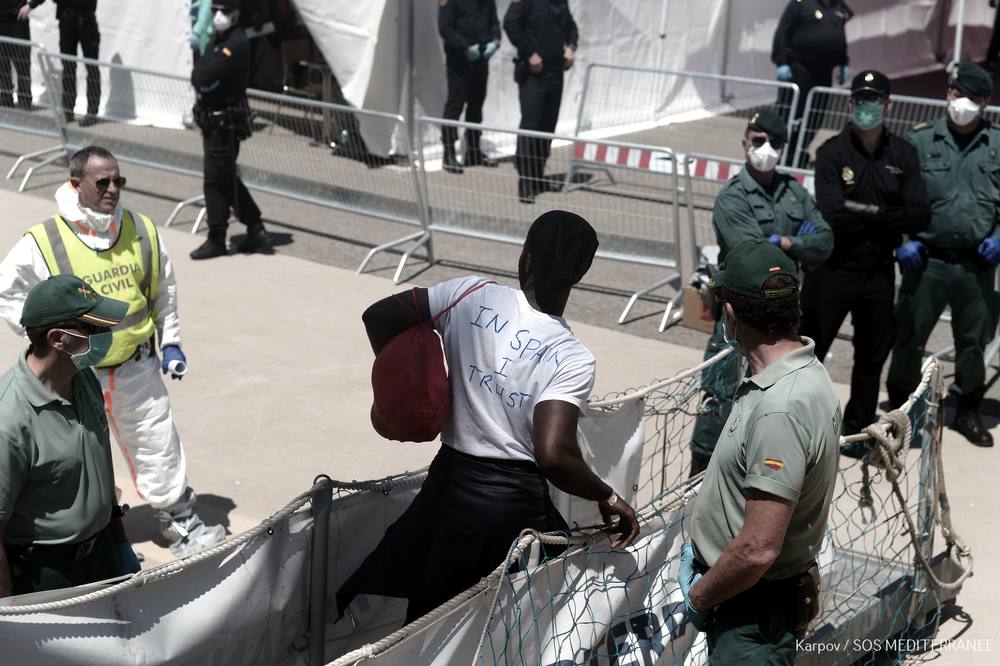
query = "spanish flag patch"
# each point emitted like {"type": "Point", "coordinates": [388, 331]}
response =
{"type": "Point", "coordinates": [774, 464]}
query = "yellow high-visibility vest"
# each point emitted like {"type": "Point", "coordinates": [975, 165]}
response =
{"type": "Point", "coordinates": [127, 271]}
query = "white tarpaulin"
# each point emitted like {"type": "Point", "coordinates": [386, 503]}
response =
{"type": "Point", "coordinates": [149, 35]}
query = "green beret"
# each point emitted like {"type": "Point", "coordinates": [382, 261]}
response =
{"type": "Point", "coordinates": [768, 121]}
{"type": "Point", "coordinates": [971, 79]}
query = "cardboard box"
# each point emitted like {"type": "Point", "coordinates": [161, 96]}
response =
{"type": "Point", "coordinates": [697, 310]}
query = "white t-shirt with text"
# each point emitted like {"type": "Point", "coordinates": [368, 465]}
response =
{"type": "Point", "coordinates": [504, 357]}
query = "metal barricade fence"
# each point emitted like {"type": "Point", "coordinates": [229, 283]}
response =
{"type": "Point", "coordinates": [826, 110]}
{"type": "Point", "coordinates": [21, 69]}
{"type": "Point", "coordinates": [619, 96]}
{"type": "Point", "coordinates": [145, 118]}
{"type": "Point", "coordinates": [636, 212]}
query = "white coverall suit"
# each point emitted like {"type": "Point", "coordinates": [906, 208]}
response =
{"type": "Point", "coordinates": [135, 396]}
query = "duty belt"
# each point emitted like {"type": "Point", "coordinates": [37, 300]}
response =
{"type": "Point", "coordinates": [63, 552]}
{"type": "Point", "coordinates": [950, 256]}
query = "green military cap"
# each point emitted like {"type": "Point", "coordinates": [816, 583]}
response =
{"type": "Point", "coordinates": [66, 297]}
{"type": "Point", "coordinates": [750, 264]}
{"type": "Point", "coordinates": [971, 79]}
{"type": "Point", "coordinates": [768, 121]}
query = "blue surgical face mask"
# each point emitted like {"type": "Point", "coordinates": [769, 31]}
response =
{"type": "Point", "coordinates": [867, 115]}
{"type": "Point", "coordinates": [98, 346]}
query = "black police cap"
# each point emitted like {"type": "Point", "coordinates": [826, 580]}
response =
{"type": "Point", "coordinates": [871, 80]}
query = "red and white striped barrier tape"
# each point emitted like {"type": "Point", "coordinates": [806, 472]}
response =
{"type": "Point", "coordinates": [641, 159]}
{"type": "Point", "coordinates": [720, 171]}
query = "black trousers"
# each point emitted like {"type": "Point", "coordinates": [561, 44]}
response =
{"type": "Point", "coordinates": [458, 528]}
{"type": "Point", "coordinates": [79, 29]}
{"type": "Point", "coordinates": [466, 91]}
{"type": "Point", "coordinates": [828, 295]}
{"type": "Point", "coordinates": [540, 96]}
{"type": "Point", "coordinates": [224, 191]}
{"type": "Point", "coordinates": [806, 77]}
{"type": "Point", "coordinates": [18, 57]}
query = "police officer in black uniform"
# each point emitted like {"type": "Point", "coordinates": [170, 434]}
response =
{"type": "Point", "coordinates": [78, 29]}
{"type": "Point", "coordinates": [220, 78]}
{"type": "Point", "coordinates": [809, 42]}
{"type": "Point", "coordinates": [870, 189]}
{"type": "Point", "coordinates": [545, 35]}
{"type": "Point", "coordinates": [471, 34]}
{"type": "Point", "coordinates": [14, 23]}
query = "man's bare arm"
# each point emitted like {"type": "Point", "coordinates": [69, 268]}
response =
{"type": "Point", "coordinates": [747, 557]}
{"type": "Point", "coordinates": [387, 318]}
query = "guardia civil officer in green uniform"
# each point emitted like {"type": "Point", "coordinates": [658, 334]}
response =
{"type": "Point", "coordinates": [953, 262]}
{"type": "Point", "coordinates": [59, 519]}
{"type": "Point", "coordinates": [758, 202]}
{"type": "Point", "coordinates": [749, 575]}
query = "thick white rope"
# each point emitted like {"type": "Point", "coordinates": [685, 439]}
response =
{"type": "Point", "coordinates": [656, 386]}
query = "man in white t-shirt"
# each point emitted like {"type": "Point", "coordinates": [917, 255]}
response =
{"type": "Point", "coordinates": [519, 382]}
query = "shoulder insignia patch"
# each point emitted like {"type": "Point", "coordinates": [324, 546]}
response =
{"type": "Point", "coordinates": [773, 464]}
{"type": "Point", "coordinates": [225, 49]}
{"type": "Point", "coordinates": [847, 175]}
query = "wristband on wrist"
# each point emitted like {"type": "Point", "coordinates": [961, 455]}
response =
{"type": "Point", "coordinates": [612, 498]}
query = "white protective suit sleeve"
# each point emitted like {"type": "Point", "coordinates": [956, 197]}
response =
{"type": "Point", "coordinates": [24, 267]}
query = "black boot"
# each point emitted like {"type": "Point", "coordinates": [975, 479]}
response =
{"type": "Point", "coordinates": [474, 156]}
{"type": "Point", "coordinates": [451, 163]}
{"type": "Point", "coordinates": [208, 250]}
{"type": "Point", "coordinates": [526, 190]}
{"type": "Point", "coordinates": [255, 241]}
{"type": "Point", "coordinates": [967, 421]}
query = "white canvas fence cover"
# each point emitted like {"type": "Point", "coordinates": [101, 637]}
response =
{"type": "Point", "coordinates": [243, 607]}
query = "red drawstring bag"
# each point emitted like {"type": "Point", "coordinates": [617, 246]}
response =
{"type": "Point", "coordinates": [410, 381]}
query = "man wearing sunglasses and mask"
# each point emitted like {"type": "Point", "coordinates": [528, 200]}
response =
{"type": "Point", "coordinates": [59, 518]}
{"type": "Point", "coordinates": [869, 187]}
{"type": "Point", "coordinates": [120, 254]}
{"type": "Point", "coordinates": [953, 262]}
{"type": "Point", "coordinates": [758, 202]}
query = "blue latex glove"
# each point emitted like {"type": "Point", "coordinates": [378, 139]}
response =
{"type": "Point", "coordinates": [126, 559]}
{"type": "Point", "coordinates": [172, 353]}
{"type": "Point", "coordinates": [783, 73]}
{"type": "Point", "coordinates": [912, 254]}
{"type": "Point", "coordinates": [687, 577]}
{"type": "Point", "coordinates": [989, 250]}
{"type": "Point", "coordinates": [774, 239]}
{"type": "Point", "coordinates": [806, 228]}
{"type": "Point", "coordinates": [472, 53]}
{"type": "Point", "coordinates": [489, 50]}
{"type": "Point", "coordinates": [842, 74]}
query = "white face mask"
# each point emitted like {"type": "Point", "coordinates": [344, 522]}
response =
{"type": "Point", "coordinates": [98, 221]}
{"type": "Point", "coordinates": [963, 111]}
{"type": "Point", "coordinates": [221, 21]}
{"type": "Point", "coordinates": [764, 158]}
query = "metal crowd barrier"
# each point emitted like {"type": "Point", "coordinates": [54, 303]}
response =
{"type": "Point", "coordinates": [19, 112]}
{"type": "Point", "coordinates": [826, 110]}
{"type": "Point", "coordinates": [145, 118]}
{"type": "Point", "coordinates": [642, 97]}
{"type": "Point", "coordinates": [636, 212]}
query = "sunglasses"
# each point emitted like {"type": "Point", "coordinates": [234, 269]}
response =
{"type": "Point", "coordinates": [759, 141]}
{"type": "Point", "coordinates": [105, 183]}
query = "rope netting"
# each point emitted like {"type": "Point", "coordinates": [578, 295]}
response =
{"type": "Point", "coordinates": [882, 586]}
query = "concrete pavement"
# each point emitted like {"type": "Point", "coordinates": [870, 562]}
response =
{"type": "Point", "coordinates": [278, 392]}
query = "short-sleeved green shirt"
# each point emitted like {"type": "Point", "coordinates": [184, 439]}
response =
{"type": "Point", "coordinates": [744, 209]}
{"type": "Point", "coordinates": [57, 482]}
{"type": "Point", "coordinates": [782, 438]}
